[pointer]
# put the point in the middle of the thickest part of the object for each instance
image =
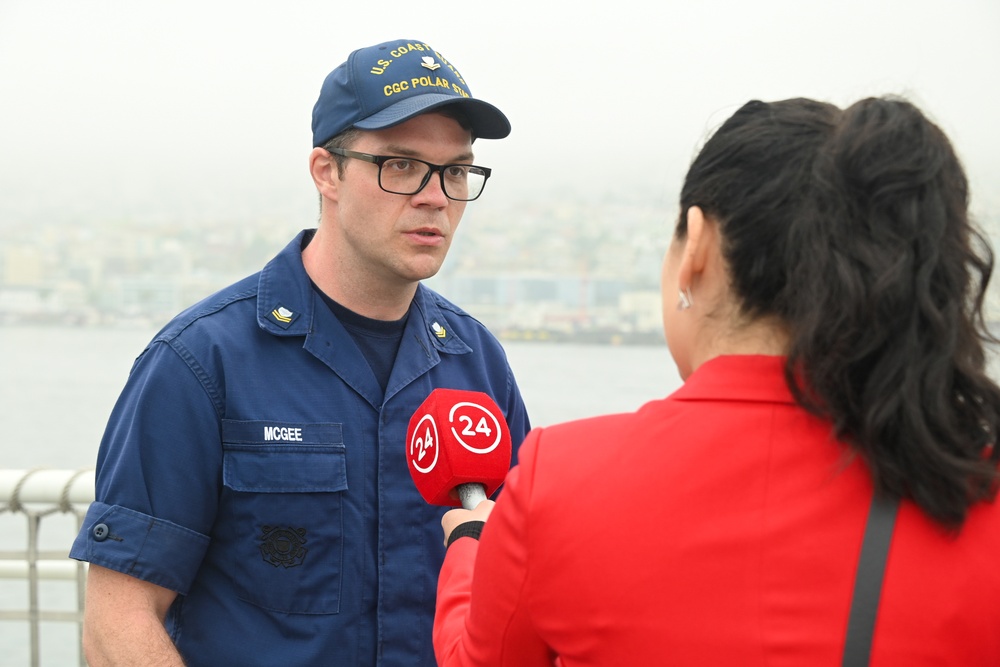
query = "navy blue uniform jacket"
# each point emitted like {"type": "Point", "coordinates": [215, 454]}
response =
{"type": "Point", "coordinates": [253, 465]}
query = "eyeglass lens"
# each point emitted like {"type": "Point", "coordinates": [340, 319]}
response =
{"type": "Point", "coordinates": [406, 177]}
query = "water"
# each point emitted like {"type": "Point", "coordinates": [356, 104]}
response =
{"type": "Point", "coordinates": [59, 386]}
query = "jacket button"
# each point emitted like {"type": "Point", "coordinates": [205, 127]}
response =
{"type": "Point", "coordinates": [101, 532]}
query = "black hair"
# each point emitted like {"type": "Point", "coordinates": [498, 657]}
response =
{"type": "Point", "coordinates": [851, 228]}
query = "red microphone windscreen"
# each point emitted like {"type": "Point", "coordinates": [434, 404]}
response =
{"type": "Point", "coordinates": [456, 437]}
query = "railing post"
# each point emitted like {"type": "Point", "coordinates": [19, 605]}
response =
{"type": "Point", "coordinates": [66, 505]}
{"type": "Point", "coordinates": [36, 494]}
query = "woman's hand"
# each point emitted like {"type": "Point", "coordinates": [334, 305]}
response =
{"type": "Point", "coordinates": [453, 518]}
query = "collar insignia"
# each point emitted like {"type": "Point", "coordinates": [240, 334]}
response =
{"type": "Point", "coordinates": [438, 330]}
{"type": "Point", "coordinates": [282, 316]}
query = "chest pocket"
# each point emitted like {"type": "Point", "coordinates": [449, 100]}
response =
{"type": "Point", "coordinates": [283, 496]}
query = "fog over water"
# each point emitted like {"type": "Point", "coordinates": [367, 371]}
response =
{"type": "Point", "coordinates": [201, 110]}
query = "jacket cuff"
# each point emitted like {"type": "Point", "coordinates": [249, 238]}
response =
{"type": "Point", "coordinates": [471, 529]}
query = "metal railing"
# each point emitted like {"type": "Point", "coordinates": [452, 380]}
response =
{"type": "Point", "coordinates": [38, 494]}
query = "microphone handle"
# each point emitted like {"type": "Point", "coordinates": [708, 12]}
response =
{"type": "Point", "coordinates": [471, 494]}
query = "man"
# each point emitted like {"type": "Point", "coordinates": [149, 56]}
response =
{"type": "Point", "coordinates": [253, 502]}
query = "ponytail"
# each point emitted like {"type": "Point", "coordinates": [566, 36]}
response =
{"type": "Point", "coordinates": [888, 340]}
{"type": "Point", "coordinates": [851, 228]}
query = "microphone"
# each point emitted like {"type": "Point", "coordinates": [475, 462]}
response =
{"type": "Point", "coordinates": [458, 440]}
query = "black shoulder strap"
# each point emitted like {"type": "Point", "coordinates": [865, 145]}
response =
{"type": "Point", "coordinates": [868, 581]}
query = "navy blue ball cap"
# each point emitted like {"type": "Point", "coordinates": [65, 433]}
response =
{"type": "Point", "coordinates": [383, 85]}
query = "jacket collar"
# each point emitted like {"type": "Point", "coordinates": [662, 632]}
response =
{"type": "Point", "coordinates": [738, 378]}
{"type": "Point", "coordinates": [286, 304]}
{"type": "Point", "coordinates": [284, 294]}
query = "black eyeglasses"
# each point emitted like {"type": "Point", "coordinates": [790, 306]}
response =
{"type": "Point", "coordinates": [408, 176]}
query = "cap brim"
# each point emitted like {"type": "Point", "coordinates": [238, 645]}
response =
{"type": "Point", "coordinates": [487, 121]}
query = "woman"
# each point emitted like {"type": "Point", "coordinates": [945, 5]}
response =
{"type": "Point", "coordinates": [823, 298]}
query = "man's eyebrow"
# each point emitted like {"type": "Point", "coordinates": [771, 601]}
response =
{"type": "Point", "coordinates": [403, 151]}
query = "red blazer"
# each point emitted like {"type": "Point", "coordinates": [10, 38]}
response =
{"type": "Point", "coordinates": [719, 526]}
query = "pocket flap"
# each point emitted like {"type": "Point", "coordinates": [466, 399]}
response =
{"type": "Point", "coordinates": [307, 458]}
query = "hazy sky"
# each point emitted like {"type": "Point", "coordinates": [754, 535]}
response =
{"type": "Point", "coordinates": [131, 107]}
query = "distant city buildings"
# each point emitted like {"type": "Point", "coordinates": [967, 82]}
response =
{"type": "Point", "coordinates": [564, 272]}
{"type": "Point", "coordinates": [560, 271]}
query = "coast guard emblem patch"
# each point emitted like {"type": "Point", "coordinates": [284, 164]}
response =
{"type": "Point", "coordinates": [283, 546]}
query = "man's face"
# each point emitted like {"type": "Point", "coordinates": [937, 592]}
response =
{"type": "Point", "coordinates": [399, 239]}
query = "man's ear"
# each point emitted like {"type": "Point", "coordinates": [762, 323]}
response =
{"type": "Point", "coordinates": [323, 167]}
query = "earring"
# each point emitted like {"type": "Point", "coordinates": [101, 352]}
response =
{"type": "Point", "coordinates": [684, 302]}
